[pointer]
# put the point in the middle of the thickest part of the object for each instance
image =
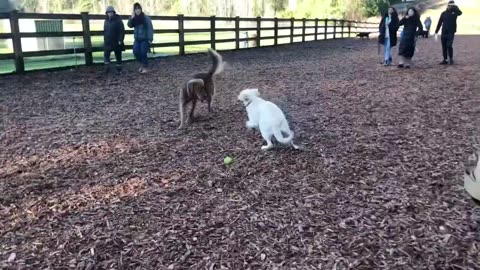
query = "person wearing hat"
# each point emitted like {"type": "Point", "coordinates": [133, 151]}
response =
{"type": "Point", "coordinates": [448, 23]}
{"type": "Point", "coordinates": [143, 35]}
{"type": "Point", "coordinates": [113, 35]}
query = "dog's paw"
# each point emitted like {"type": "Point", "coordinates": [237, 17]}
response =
{"type": "Point", "coordinates": [266, 147]}
{"type": "Point", "coordinates": [250, 125]}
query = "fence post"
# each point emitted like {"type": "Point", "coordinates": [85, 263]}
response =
{"type": "Point", "coordinates": [87, 41]}
{"type": "Point", "coordinates": [181, 35]}
{"type": "Point", "coordinates": [237, 32]}
{"type": "Point", "coordinates": [17, 42]}
{"type": "Point", "coordinates": [325, 29]}
{"type": "Point", "coordinates": [275, 31]}
{"type": "Point", "coordinates": [259, 27]}
{"type": "Point", "coordinates": [304, 24]}
{"type": "Point", "coordinates": [212, 32]}
{"type": "Point", "coordinates": [343, 24]}
{"type": "Point", "coordinates": [292, 23]}
{"type": "Point", "coordinates": [334, 29]}
{"type": "Point", "coordinates": [349, 29]}
{"type": "Point", "coordinates": [316, 28]}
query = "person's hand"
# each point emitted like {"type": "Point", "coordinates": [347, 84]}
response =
{"type": "Point", "coordinates": [436, 36]}
{"type": "Point", "coordinates": [119, 43]}
{"type": "Point", "coordinates": [133, 14]}
{"type": "Point", "coordinates": [406, 16]}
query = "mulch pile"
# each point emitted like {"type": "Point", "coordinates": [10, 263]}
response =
{"type": "Point", "coordinates": [95, 175]}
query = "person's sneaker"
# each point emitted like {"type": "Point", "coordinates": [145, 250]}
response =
{"type": "Point", "coordinates": [444, 62]}
{"type": "Point", "coordinates": [140, 70]}
{"type": "Point", "coordinates": [144, 70]}
{"type": "Point", "coordinates": [450, 61]}
{"type": "Point", "coordinates": [407, 66]}
{"type": "Point", "coordinates": [400, 66]}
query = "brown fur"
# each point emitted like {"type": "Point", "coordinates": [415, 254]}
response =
{"type": "Point", "coordinates": [199, 88]}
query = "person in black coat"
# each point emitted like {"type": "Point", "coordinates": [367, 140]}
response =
{"type": "Point", "coordinates": [448, 23]}
{"type": "Point", "coordinates": [388, 38]}
{"type": "Point", "coordinates": [113, 36]}
{"type": "Point", "coordinates": [411, 22]}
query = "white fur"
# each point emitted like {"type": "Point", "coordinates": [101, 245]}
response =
{"type": "Point", "coordinates": [267, 117]}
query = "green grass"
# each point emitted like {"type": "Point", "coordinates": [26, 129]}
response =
{"type": "Point", "coordinates": [44, 62]}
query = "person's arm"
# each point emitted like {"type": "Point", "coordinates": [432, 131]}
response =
{"type": "Point", "coordinates": [104, 28]}
{"type": "Point", "coordinates": [420, 25]}
{"type": "Point", "coordinates": [121, 31]}
{"type": "Point", "coordinates": [401, 22]}
{"type": "Point", "coordinates": [130, 20]}
{"type": "Point", "coordinates": [149, 29]}
{"type": "Point", "coordinates": [396, 24]}
{"type": "Point", "coordinates": [380, 25]}
{"type": "Point", "coordinates": [439, 24]}
{"type": "Point", "coordinates": [458, 12]}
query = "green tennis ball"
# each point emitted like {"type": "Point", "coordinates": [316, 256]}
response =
{"type": "Point", "coordinates": [227, 160]}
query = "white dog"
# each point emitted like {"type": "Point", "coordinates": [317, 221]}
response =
{"type": "Point", "coordinates": [267, 117]}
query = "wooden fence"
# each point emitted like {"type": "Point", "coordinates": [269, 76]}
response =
{"type": "Point", "coordinates": [341, 29]}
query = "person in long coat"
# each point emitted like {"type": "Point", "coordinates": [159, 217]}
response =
{"type": "Point", "coordinates": [411, 27]}
{"type": "Point", "coordinates": [388, 33]}
{"type": "Point", "coordinates": [114, 34]}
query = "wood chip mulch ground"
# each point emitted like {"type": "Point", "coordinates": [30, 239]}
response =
{"type": "Point", "coordinates": [95, 175]}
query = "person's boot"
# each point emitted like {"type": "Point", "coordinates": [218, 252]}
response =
{"type": "Point", "coordinates": [106, 68]}
{"type": "Point", "coordinates": [444, 62]}
{"type": "Point", "coordinates": [119, 69]}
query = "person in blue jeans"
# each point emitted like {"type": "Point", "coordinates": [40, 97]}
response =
{"type": "Point", "coordinates": [388, 33]}
{"type": "Point", "coordinates": [143, 35]}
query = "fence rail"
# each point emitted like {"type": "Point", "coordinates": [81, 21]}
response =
{"type": "Point", "coordinates": [341, 29]}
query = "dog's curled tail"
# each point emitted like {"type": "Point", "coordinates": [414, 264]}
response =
{"type": "Point", "coordinates": [218, 64]}
{"type": "Point", "coordinates": [279, 136]}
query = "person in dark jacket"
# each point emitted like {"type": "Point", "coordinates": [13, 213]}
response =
{"type": "Point", "coordinates": [411, 26]}
{"type": "Point", "coordinates": [448, 23]}
{"type": "Point", "coordinates": [388, 33]}
{"type": "Point", "coordinates": [143, 35]}
{"type": "Point", "coordinates": [113, 35]}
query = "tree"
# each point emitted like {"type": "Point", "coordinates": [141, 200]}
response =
{"type": "Point", "coordinates": [278, 6]}
{"type": "Point", "coordinates": [86, 5]}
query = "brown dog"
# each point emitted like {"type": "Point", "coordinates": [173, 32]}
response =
{"type": "Point", "coordinates": [200, 88]}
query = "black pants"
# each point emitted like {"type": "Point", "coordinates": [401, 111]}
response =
{"type": "Point", "coordinates": [447, 46]}
{"type": "Point", "coordinates": [118, 56]}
